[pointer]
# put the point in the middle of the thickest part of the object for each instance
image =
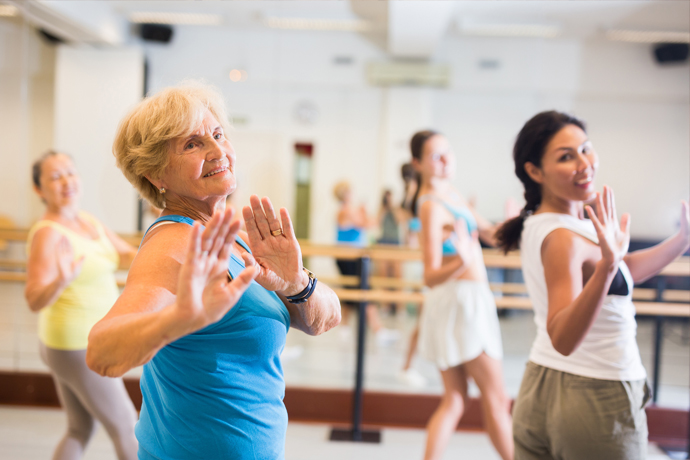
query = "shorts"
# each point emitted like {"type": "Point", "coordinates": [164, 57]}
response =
{"type": "Point", "coordinates": [558, 415]}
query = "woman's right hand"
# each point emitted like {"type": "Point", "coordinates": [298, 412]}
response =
{"type": "Point", "coordinates": [68, 267]}
{"type": "Point", "coordinates": [205, 293]}
{"type": "Point", "coordinates": [614, 238]}
{"type": "Point", "coordinates": [465, 243]}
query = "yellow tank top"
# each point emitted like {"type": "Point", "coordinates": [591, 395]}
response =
{"type": "Point", "coordinates": [65, 325]}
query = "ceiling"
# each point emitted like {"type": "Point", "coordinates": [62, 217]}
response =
{"type": "Point", "coordinates": [403, 28]}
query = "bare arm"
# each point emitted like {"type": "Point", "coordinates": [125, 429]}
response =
{"type": "Point", "coordinates": [320, 313]}
{"type": "Point", "coordinates": [178, 284]}
{"type": "Point", "coordinates": [125, 250]}
{"type": "Point", "coordinates": [572, 307]}
{"type": "Point", "coordinates": [431, 241]}
{"type": "Point", "coordinates": [647, 263]}
{"type": "Point", "coordinates": [278, 260]}
{"type": "Point", "coordinates": [50, 268]}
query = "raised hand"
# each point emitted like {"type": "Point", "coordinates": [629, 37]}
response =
{"type": "Point", "coordinates": [205, 293]}
{"type": "Point", "coordinates": [685, 221]}
{"type": "Point", "coordinates": [614, 237]}
{"type": "Point", "coordinates": [465, 243]}
{"type": "Point", "coordinates": [68, 267]}
{"type": "Point", "coordinates": [275, 250]}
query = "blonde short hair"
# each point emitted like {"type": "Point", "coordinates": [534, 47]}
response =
{"type": "Point", "coordinates": [143, 139]}
{"type": "Point", "coordinates": [341, 189]}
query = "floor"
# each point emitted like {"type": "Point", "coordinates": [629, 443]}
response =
{"type": "Point", "coordinates": [31, 434]}
{"type": "Point", "coordinates": [327, 361]}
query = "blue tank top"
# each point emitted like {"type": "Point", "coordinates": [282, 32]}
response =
{"type": "Point", "coordinates": [354, 236]}
{"type": "Point", "coordinates": [218, 392]}
{"type": "Point", "coordinates": [457, 212]}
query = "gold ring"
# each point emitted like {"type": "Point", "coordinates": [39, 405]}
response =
{"type": "Point", "coordinates": [277, 232]}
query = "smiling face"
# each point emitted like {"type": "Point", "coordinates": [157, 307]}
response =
{"type": "Point", "coordinates": [567, 167]}
{"type": "Point", "coordinates": [201, 166]}
{"type": "Point", "coordinates": [60, 185]}
{"type": "Point", "coordinates": [438, 159]}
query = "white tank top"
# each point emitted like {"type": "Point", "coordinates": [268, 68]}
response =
{"type": "Point", "coordinates": [609, 350]}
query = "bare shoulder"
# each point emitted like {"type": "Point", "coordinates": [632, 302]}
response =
{"type": "Point", "coordinates": [160, 256]}
{"type": "Point", "coordinates": [563, 245]}
{"type": "Point", "coordinates": [43, 237]}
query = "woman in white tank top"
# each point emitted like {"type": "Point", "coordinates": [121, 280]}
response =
{"type": "Point", "coordinates": [584, 389]}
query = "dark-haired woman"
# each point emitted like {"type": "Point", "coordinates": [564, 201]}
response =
{"type": "Point", "coordinates": [584, 389]}
{"type": "Point", "coordinates": [71, 284]}
{"type": "Point", "coordinates": [459, 328]}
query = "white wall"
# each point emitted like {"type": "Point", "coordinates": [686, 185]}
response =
{"type": "Point", "coordinates": [633, 107]}
{"type": "Point", "coordinates": [94, 89]}
{"type": "Point", "coordinates": [637, 113]}
{"type": "Point", "coordinates": [26, 116]}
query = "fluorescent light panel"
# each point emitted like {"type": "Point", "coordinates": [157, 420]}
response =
{"type": "Point", "coordinates": [8, 10]}
{"type": "Point", "coordinates": [511, 30]}
{"type": "Point", "coordinates": [648, 36]}
{"type": "Point", "coordinates": [144, 17]}
{"type": "Point", "coordinates": [348, 25]}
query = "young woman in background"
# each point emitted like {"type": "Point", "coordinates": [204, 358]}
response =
{"type": "Point", "coordinates": [459, 328]}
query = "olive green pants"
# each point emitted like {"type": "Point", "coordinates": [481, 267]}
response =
{"type": "Point", "coordinates": [561, 416]}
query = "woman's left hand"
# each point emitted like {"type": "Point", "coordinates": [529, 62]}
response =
{"type": "Point", "coordinates": [684, 220]}
{"type": "Point", "coordinates": [275, 250]}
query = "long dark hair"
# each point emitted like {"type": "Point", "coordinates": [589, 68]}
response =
{"type": "Point", "coordinates": [529, 147]}
{"type": "Point", "coordinates": [408, 174]}
{"type": "Point", "coordinates": [417, 148]}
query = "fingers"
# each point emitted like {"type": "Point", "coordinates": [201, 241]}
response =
{"type": "Point", "coordinates": [625, 223]}
{"type": "Point", "coordinates": [273, 223]}
{"type": "Point", "coordinates": [210, 231]}
{"type": "Point", "coordinates": [237, 286]}
{"type": "Point", "coordinates": [601, 213]}
{"type": "Point", "coordinates": [607, 204]}
{"type": "Point", "coordinates": [250, 223]}
{"type": "Point", "coordinates": [259, 216]}
{"type": "Point", "coordinates": [194, 248]}
{"type": "Point", "coordinates": [219, 238]}
{"type": "Point", "coordinates": [288, 229]}
{"type": "Point", "coordinates": [614, 214]}
{"type": "Point", "coordinates": [593, 217]}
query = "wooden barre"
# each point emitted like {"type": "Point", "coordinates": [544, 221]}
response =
{"type": "Point", "coordinates": [639, 294]}
{"type": "Point", "coordinates": [493, 258]}
{"type": "Point", "coordinates": [504, 302]}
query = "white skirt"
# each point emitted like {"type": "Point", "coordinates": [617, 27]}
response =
{"type": "Point", "coordinates": [458, 323]}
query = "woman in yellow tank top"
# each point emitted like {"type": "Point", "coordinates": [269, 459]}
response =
{"type": "Point", "coordinates": [71, 284]}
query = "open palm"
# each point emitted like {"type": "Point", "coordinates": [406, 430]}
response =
{"type": "Point", "coordinates": [204, 291]}
{"type": "Point", "coordinates": [614, 237]}
{"type": "Point", "coordinates": [275, 250]}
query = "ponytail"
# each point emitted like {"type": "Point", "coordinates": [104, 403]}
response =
{"type": "Point", "coordinates": [417, 149]}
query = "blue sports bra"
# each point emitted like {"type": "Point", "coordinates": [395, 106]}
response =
{"type": "Point", "coordinates": [458, 212]}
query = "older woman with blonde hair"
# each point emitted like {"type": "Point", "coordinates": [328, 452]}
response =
{"type": "Point", "coordinates": [206, 310]}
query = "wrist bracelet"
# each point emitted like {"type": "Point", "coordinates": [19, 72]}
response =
{"type": "Point", "coordinates": [306, 292]}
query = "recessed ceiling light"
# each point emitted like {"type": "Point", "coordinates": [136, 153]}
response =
{"type": "Point", "coordinates": [8, 10]}
{"type": "Point", "coordinates": [648, 36]}
{"type": "Point", "coordinates": [348, 25]}
{"type": "Point", "coordinates": [152, 17]}
{"type": "Point", "coordinates": [511, 30]}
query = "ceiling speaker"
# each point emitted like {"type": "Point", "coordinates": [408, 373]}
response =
{"type": "Point", "coordinates": [156, 33]}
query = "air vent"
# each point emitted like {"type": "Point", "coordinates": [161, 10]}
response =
{"type": "Point", "coordinates": [408, 74]}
